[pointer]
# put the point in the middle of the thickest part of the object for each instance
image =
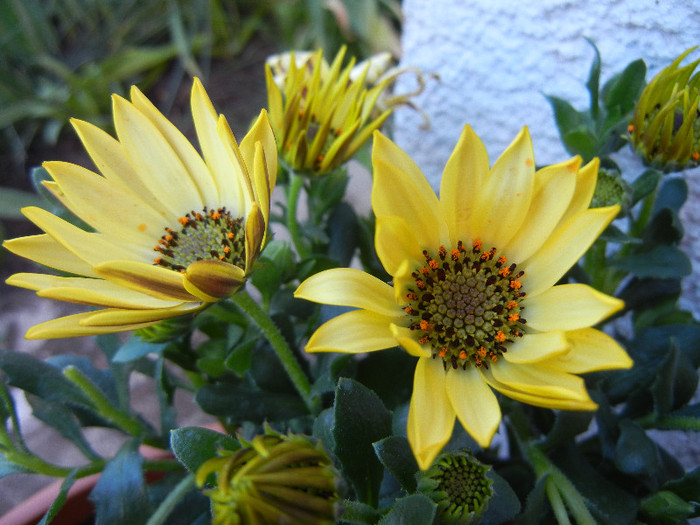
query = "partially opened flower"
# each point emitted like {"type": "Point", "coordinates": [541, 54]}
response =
{"type": "Point", "coordinates": [665, 128]}
{"type": "Point", "coordinates": [321, 116]}
{"type": "Point", "coordinates": [173, 230]}
{"type": "Point", "coordinates": [474, 292]}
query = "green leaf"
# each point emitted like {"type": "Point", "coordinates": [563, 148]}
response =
{"type": "Point", "coordinates": [246, 404]}
{"type": "Point", "coordinates": [661, 262]}
{"type": "Point", "coordinates": [120, 493]}
{"type": "Point", "coordinates": [623, 90]}
{"type": "Point", "coordinates": [503, 505]}
{"type": "Point", "coordinates": [673, 192]}
{"type": "Point", "coordinates": [687, 487]}
{"type": "Point", "coordinates": [687, 419]}
{"type": "Point", "coordinates": [135, 348]}
{"type": "Point", "coordinates": [241, 357]}
{"type": "Point", "coordinates": [534, 504]}
{"type": "Point", "coordinates": [12, 200]}
{"type": "Point", "coordinates": [396, 455]}
{"type": "Point", "coordinates": [645, 185]}
{"type": "Point", "coordinates": [58, 503]}
{"type": "Point", "coordinates": [360, 420]}
{"type": "Point", "coordinates": [676, 381]}
{"type": "Point", "coordinates": [356, 513]}
{"type": "Point", "coordinates": [635, 452]}
{"type": "Point", "coordinates": [193, 446]}
{"type": "Point", "coordinates": [415, 509]}
{"type": "Point", "coordinates": [666, 508]}
{"type": "Point", "coordinates": [581, 142]}
{"type": "Point", "coordinates": [593, 83]}
{"type": "Point", "coordinates": [7, 467]}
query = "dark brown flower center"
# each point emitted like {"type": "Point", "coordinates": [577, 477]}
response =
{"type": "Point", "coordinates": [466, 304]}
{"type": "Point", "coordinates": [205, 235]}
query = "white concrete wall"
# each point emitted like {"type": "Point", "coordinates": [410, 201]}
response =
{"type": "Point", "coordinates": [495, 58]}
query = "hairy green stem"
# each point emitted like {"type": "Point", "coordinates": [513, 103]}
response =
{"type": "Point", "coordinates": [296, 182]}
{"type": "Point", "coordinates": [166, 507]}
{"type": "Point", "coordinates": [103, 405]}
{"type": "Point", "coordinates": [289, 361]}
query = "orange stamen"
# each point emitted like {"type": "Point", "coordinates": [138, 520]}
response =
{"type": "Point", "coordinates": [462, 354]}
{"type": "Point", "coordinates": [513, 317]}
{"type": "Point", "coordinates": [443, 352]}
{"type": "Point", "coordinates": [500, 336]}
{"type": "Point", "coordinates": [515, 284]}
{"type": "Point", "coordinates": [511, 305]}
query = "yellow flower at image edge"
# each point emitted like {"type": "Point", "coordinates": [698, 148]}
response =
{"type": "Point", "coordinates": [474, 294]}
{"type": "Point", "coordinates": [173, 229]}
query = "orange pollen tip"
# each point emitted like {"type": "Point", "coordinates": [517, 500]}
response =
{"type": "Point", "coordinates": [157, 260]}
{"type": "Point", "coordinates": [198, 216]}
{"type": "Point", "coordinates": [408, 310]}
{"type": "Point", "coordinates": [227, 250]}
{"type": "Point", "coordinates": [455, 254]}
{"type": "Point", "coordinates": [504, 272]}
{"type": "Point", "coordinates": [230, 235]}
{"type": "Point", "coordinates": [425, 325]}
{"type": "Point", "coordinates": [319, 158]}
{"type": "Point", "coordinates": [502, 260]}
{"type": "Point", "coordinates": [442, 251]}
{"type": "Point", "coordinates": [425, 270]}
{"type": "Point", "coordinates": [500, 336]}
{"type": "Point", "coordinates": [443, 352]}
{"type": "Point", "coordinates": [338, 132]}
{"type": "Point", "coordinates": [215, 215]}
{"type": "Point", "coordinates": [476, 244]}
{"type": "Point", "coordinates": [433, 264]}
{"type": "Point", "coordinates": [511, 305]}
{"type": "Point", "coordinates": [494, 357]}
{"type": "Point", "coordinates": [423, 339]}
{"type": "Point", "coordinates": [222, 257]}
{"type": "Point", "coordinates": [696, 156]}
{"type": "Point", "coordinates": [485, 256]}
{"type": "Point", "coordinates": [630, 128]}
{"type": "Point", "coordinates": [183, 220]}
{"type": "Point", "coordinates": [420, 284]}
{"type": "Point", "coordinates": [482, 351]}
{"type": "Point", "coordinates": [515, 284]}
{"type": "Point", "coordinates": [462, 354]}
{"type": "Point", "coordinates": [513, 317]}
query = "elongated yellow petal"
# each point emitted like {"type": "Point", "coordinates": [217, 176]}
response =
{"type": "Point", "coordinates": [475, 404]}
{"type": "Point", "coordinates": [505, 195]}
{"type": "Point", "coordinates": [155, 160]}
{"type": "Point", "coordinates": [566, 246]}
{"type": "Point", "coordinates": [193, 162]}
{"type": "Point", "coordinates": [540, 380]}
{"type": "Point", "coordinates": [227, 176]}
{"type": "Point", "coordinates": [213, 280]}
{"type": "Point", "coordinates": [585, 188]}
{"type": "Point", "coordinates": [464, 173]}
{"type": "Point", "coordinates": [69, 326]}
{"type": "Point", "coordinates": [591, 351]}
{"type": "Point", "coordinates": [407, 339]}
{"type": "Point", "coordinates": [155, 281]}
{"type": "Point", "coordinates": [255, 230]}
{"type": "Point", "coordinates": [44, 250]}
{"type": "Point", "coordinates": [350, 287]}
{"type": "Point", "coordinates": [431, 416]}
{"type": "Point", "coordinates": [117, 212]}
{"type": "Point", "coordinates": [353, 332]}
{"type": "Point", "coordinates": [261, 131]}
{"type": "Point", "coordinates": [554, 187]}
{"type": "Point", "coordinates": [122, 317]}
{"type": "Point", "coordinates": [395, 243]}
{"type": "Point", "coordinates": [532, 348]}
{"type": "Point", "coordinates": [537, 400]}
{"type": "Point", "coordinates": [569, 307]}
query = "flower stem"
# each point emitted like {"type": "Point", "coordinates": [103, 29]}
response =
{"type": "Point", "coordinates": [253, 310]}
{"type": "Point", "coordinates": [296, 182]}
{"type": "Point", "coordinates": [166, 507]}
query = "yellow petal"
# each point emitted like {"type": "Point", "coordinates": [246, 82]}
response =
{"type": "Point", "coordinates": [121, 317]}
{"type": "Point", "coordinates": [238, 165]}
{"type": "Point", "coordinates": [261, 131]}
{"type": "Point", "coordinates": [475, 404]}
{"type": "Point", "coordinates": [155, 160]}
{"type": "Point", "coordinates": [213, 280]}
{"type": "Point", "coordinates": [255, 229]}
{"type": "Point", "coordinates": [531, 348]}
{"type": "Point", "coordinates": [44, 250]}
{"type": "Point", "coordinates": [182, 147]}
{"type": "Point", "coordinates": [431, 417]}
{"type": "Point", "coordinates": [226, 175]}
{"type": "Point", "coordinates": [591, 351]}
{"type": "Point", "coordinates": [395, 243]}
{"type": "Point", "coordinates": [70, 326]}
{"type": "Point", "coordinates": [566, 246]}
{"type": "Point", "coordinates": [537, 400]}
{"type": "Point", "coordinates": [585, 188]}
{"type": "Point", "coordinates": [353, 332]}
{"type": "Point", "coordinates": [554, 186]}
{"type": "Point", "coordinates": [465, 171]}
{"type": "Point", "coordinates": [350, 287]}
{"type": "Point", "coordinates": [568, 307]}
{"type": "Point", "coordinates": [152, 280]}
{"type": "Point", "coordinates": [504, 199]}
{"type": "Point", "coordinates": [540, 380]}
{"type": "Point", "coordinates": [407, 339]}
{"type": "Point", "coordinates": [107, 207]}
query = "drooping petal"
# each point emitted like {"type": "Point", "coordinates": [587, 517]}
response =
{"type": "Point", "coordinates": [350, 287]}
{"type": "Point", "coordinates": [146, 278]}
{"type": "Point", "coordinates": [475, 404]}
{"type": "Point", "coordinates": [353, 332]}
{"type": "Point", "coordinates": [153, 157]}
{"type": "Point", "coordinates": [431, 416]}
{"type": "Point", "coordinates": [591, 351]}
{"type": "Point", "coordinates": [532, 348]}
{"type": "Point", "coordinates": [554, 187]}
{"type": "Point", "coordinates": [566, 246]}
{"type": "Point", "coordinates": [569, 307]}
{"type": "Point", "coordinates": [505, 196]}
{"type": "Point", "coordinates": [211, 280]}
{"type": "Point", "coordinates": [69, 326]}
{"type": "Point", "coordinates": [406, 338]}
{"type": "Point", "coordinates": [395, 243]}
{"type": "Point", "coordinates": [44, 250]}
{"type": "Point", "coordinates": [464, 173]}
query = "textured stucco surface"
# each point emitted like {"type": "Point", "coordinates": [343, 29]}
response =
{"type": "Point", "coordinates": [495, 59]}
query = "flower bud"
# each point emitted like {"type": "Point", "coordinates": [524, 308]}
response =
{"type": "Point", "coordinates": [273, 479]}
{"type": "Point", "coordinates": [610, 189]}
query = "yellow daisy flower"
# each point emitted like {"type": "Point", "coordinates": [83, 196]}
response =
{"type": "Point", "coordinates": [321, 116]}
{"type": "Point", "coordinates": [173, 230]}
{"type": "Point", "coordinates": [474, 292]}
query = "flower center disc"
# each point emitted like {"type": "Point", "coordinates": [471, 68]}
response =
{"type": "Point", "coordinates": [205, 235]}
{"type": "Point", "coordinates": [466, 303]}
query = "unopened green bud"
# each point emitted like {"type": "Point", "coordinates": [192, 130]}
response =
{"type": "Point", "coordinates": [272, 479]}
{"type": "Point", "coordinates": [610, 189]}
{"type": "Point", "coordinates": [665, 128]}
{"type": "Point", "coordinates": [458, 483]}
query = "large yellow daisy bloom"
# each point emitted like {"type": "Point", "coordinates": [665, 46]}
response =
{"type": "Point", "coordinates": [173, 229]}
{"type": "Point", "coordinates": [474, 294]}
